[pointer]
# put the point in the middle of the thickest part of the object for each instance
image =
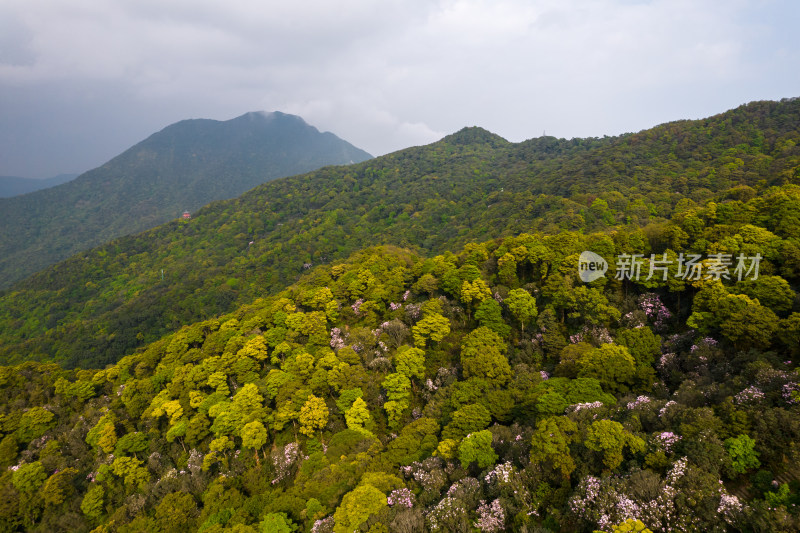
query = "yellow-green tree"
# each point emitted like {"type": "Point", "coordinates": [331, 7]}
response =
{"type": "Point", "coordinates": [356, 507]}
{"type": "Point", "coordinates": [358, 417]}
{"type": "Point", "coordinates": [433, 326]}
{"type": "Point", "coordinates": [551, 441]}
{"type": "Point", "coordinates": [522, 306]}
{"type": "Point", "coordinates": [477, 448]}
{"type": "Point", "coordinates": [254, 435]}
{"type": "Point", "coordinates": [410, 362]}
{"type": "Point", "coordinates": [313, 416]}
{"type": "Point", "coordinates": [610, 438]}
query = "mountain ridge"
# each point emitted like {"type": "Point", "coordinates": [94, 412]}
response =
{"type": "Point", "coordinates": [429, 199]}
{"type": "Point", "coordinates": [182, 167]}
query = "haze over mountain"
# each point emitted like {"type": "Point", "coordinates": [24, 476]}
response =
{"type": "Point", "coordinates": [472, 185]}
{"type": "Point", "coordinates": [14, 186]}
{"type": "Point", "coordinates": [182, 167]}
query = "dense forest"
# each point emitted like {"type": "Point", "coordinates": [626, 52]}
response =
{"type": "Point", "coordinates": [487, 389]}
{"type": "Point", "coordinates": [288, 374]}
{"type": "Point", "coordinates": [100, 305]}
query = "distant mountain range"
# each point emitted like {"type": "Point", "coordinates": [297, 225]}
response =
{"type": "Point", "coordinates": [182, 167]}
{"type": "Point", "coordinates": [471, 186]}
{"type": "Point", "coordinates": [14, 186]}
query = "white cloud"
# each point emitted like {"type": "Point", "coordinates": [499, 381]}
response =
{"type": "Point", "coordinates": [385, 75]}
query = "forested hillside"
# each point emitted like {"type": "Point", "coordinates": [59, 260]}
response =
{"type": "Point", "coordinates": [103, 304]}
{"type": "Point", "coordinates": [184, 166]}
{"type": "Point", "coordinates": [487, 388]}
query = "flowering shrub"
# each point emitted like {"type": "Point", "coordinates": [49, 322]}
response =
{"type": "Point", "coordinates": [666, 359]}
{"type": "Point", "coordinates": [654, 309]}
{"type": "Point", "coordinates": [749, 395]}
{"type": "Point", "coordinates": [582, 406]}
{"type": "Point", "coordinates": [402, 497]}
{"type": "Point", "coordinates": [596, 334]}
{"type": "Point", "coordinates": [667, 440]}
{"type": "Point", "coordinates": [324, 525]}
{"type": "Point", "coordinates": [791, 393]}
{"type": "Point", "coordinates": [337, 342]}
{"type": "Point", "coordinates": [638, 402]}
{"type": "Point", "coordinates": [663, 410]}
{"type": "Point", "coordinates": [501, 473]}
{"type": "Point", "coordinates": [615, 499]}
{"type": "Point", "coordinates": [490, 517]}
{"type": "Point", "coordinates": [413, 311]}
{"type": "Point", "coordinates": [450, 514]}
{"type": "Point", "coordinates": [729, 506]}
{"type": "Point", "coordinates": [285, 460]}
{"type": "Point", "coordinates": [428, 473]}
{"type": "Point", "coordinates": [356, 307]}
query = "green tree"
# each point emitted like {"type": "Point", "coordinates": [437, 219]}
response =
{"type": "Point", "coordinates": [475, 291]}
{"type": "Point", "coordinates": [358, 417]}
{"type": "Point", "coordinates": [433, 326]}
{"type": "Point", "coordinates": [771, 291]}
{"type": "Point", "coordinates": [410, 362]}
{"type": "Point", "coordinates": [131, 443]}
{"type": "Point", "coordinates": [34, 423]}
{"type": "Point", "coordinates": [593, 307]}
{"type": "Point", "coordinates": [254, 435]}
{"type": "Point", "coordinates": [356, 507]}
{"type": "Point", "coordinates": [642, 344]}
{"type": "Point", "coordinates": [398, 388]}
{"type": "Point", "coordinates": [631, 525]}
{"type": "Point", "coordinates": [522, 306]}
{"type": "Point", "coordinates": [743, 454]}
{"type": "Point", "coordinates": [739, 318]}
{"type": "Point", "coordinates": [551, 441]}
{"type": "Point", "coordinates": [610, 438]}
{"type": "Point", "coordinates": [313, 416]}
{"type": "Point", "coordinates": [176, 512]}
{"type": "Point", "coordinates": [416, 441]}
{"type": "Point", "coordinates": [276, 523]}
{"type": "Point", "coordinates": [131, 471]}
{"type": "Point", "coordinates": [92, 503]}
{"type": "Point", "coordinates": [477, 448]}
{"type": "Point", "coordinates": [507, 269]}
{"type": "Point", "coordinates": [490, 315]}
{"type": "Point", "coordinates": [610, 364]}
{"type": "Point", "coordinates": [29, 477]}
{"type": "Point", "coordinates": [59, 487]}
{"type": "Point", "coordinates": [468, 419]}
{"type": "Point", "coordinates": [482, 356]}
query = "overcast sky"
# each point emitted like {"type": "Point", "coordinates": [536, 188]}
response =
{"type": "Point", "coordinates": [83, 80]}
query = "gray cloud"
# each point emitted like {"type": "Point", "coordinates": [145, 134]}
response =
{"type": "Point", "coordinates": [82, 80]}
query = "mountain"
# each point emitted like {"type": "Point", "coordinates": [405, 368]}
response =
{"type": "Point", "coordinates": [102, 304]}
{"type": "Point", "coordinates": [434, 386]}
{"type": "Point", "coordinates": [182, 167]}
{"type": "Point", "coordinates": [13, 186]}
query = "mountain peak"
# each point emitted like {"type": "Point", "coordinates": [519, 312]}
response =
{"type": "Point", "coordinates": [269, 115]}
{"type": "Point", "coordinates": [475, 135]}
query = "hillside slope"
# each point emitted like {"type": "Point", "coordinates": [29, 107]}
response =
{"type": "Point", "coordinates": [100, 305]}
{"type": "Point", "coordinates": [182, 167]}
{"type": "Point", "coordinates": [485, 388]}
